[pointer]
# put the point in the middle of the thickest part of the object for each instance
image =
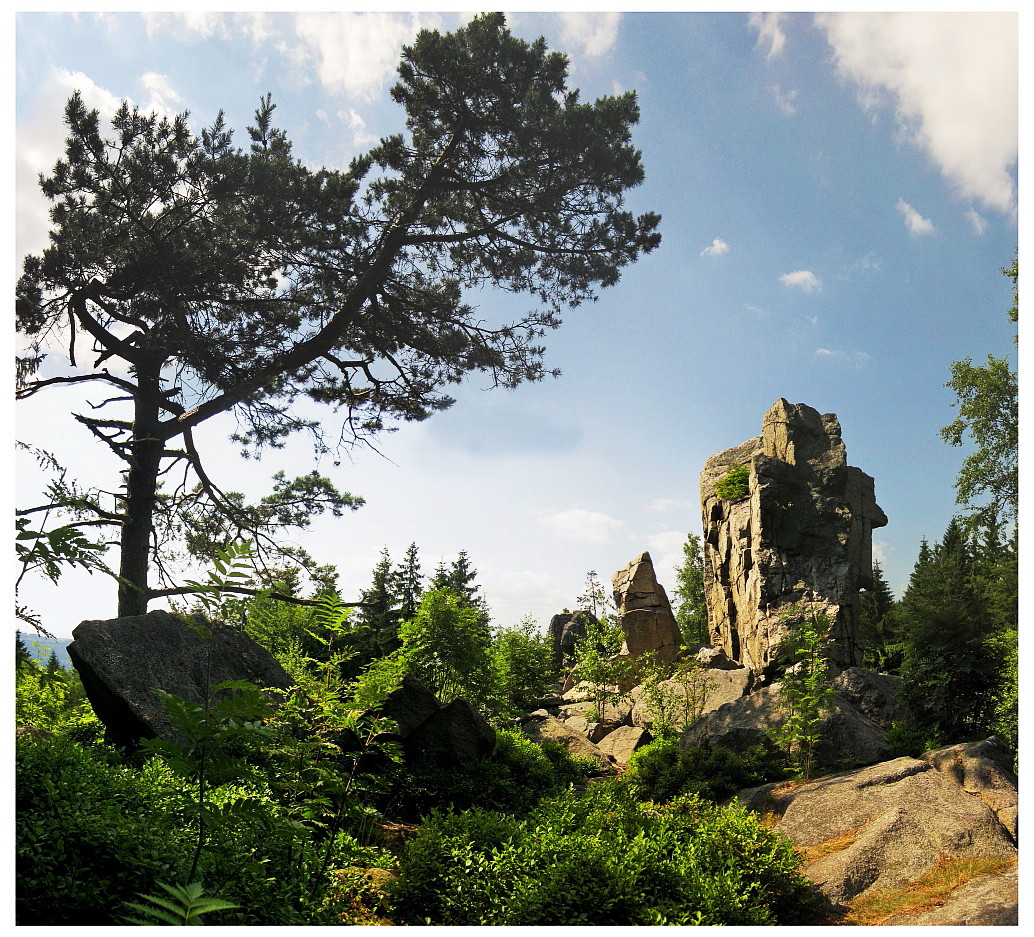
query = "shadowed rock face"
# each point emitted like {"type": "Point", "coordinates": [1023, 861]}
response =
{"type": "Point", "coordinates": [802, 534]}
{"type": "Point", "coordinates": [122, 662]}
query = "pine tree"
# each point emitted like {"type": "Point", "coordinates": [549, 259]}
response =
{"type": "Point", "coordinates": [409, 583]}
{"type": "Point", "coordinates": [948, 669]}
{"type": "Point", "coordinates": [379, 615]}
{"type": "Point", "coordinates": [594, 599]}
{"type": "Point", "coordinates": [878, 624]}
{"type": "Point", "coordinates": [21, 652]}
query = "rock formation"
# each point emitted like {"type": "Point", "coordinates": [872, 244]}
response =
{"type": "Point", "coordinates": [644, 613]}
{"type": "Point", "coordinates": [453, 733]}
{"type": "Point", "coordinates": [122, 662]}
{"type": "Point", "coordinates": [800, 534]}
{"type": "Point", "coordinates": [564, 631]}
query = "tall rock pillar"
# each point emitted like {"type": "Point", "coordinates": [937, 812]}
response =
{"type": "Point", "coordinates": [800, 534]}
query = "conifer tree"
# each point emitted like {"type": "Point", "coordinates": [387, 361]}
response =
{"type": "Point", "coordinates": [691, 610]}
{"type": "Point", "coordinates": [409, 583]}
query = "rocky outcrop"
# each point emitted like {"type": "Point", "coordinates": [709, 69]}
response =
{"type": "Point", "coordinates": [122, 661]}
{"type": "Point", "coordinates": [848, 736]}
{"type": "Point", "coordinates": [565, 630]}
{"type": "Point", "coordinates": [800, 534]}
{"type": "Point", "coordinates": [539, 726]}
{"type": "Point", "coordinates": [453, 733]}
{"type": "Point", "coordinates": [623, 742]}
{"type": "Point", "coordinates": [716, 687]}
{"type": "Point", "coordinates": [644, 612]}
{"type": "Point", "coordinates": [880, 828]}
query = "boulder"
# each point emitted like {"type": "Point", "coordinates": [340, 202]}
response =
{"type": "Point", "coordinates": [564, 631]}
{"type": "Point", "coordinates": [715, 658]}
{"type": "Point", "coordinates": [881, 827]}
{"type": "Point", "coordinates": [616, 712]}
{"type": "Point", "coordinates": [875, 695]}
{"type": "Point", "coordinates": [539, 728]}
{"type": "Point", "coordinates": [453, 733]}
{"type": "Point", "coordinates": [849, 738]}
{"type": "Point", "coordinates": [623, 741]}
{"type": "Point", "coordinates": [644, 613]}
{"type": "Point", "coordinates": [122, 661]}
{"type": "Point", "coordinates": [801, 535]}
{"type": "Point", "coordinates": [718, 686]}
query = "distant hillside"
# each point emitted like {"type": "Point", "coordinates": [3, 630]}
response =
{"type": "Point", "coordinates": [40, 648]}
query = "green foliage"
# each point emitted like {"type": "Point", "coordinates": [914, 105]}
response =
{"type": "Point", "coordinates": [878, 625]}
{"type": "Point", "coordinates": [734, 485]}
{"type": "Point", "coordinates": [598, 663]}
{"type": "Point", "coordinates": [446, 645]}
{"type": "Point", "coordinates": [949, 669]}
{"type": "Point", "coordinates": [691, 605]}
{"type": "Point", "coordinates": [675, 696]}
{"type": "Point", "coordinates": [513, 779]}
{"type": "Point", "coordinates": [522, 662]}
{"type": "Point", "coordinates": [232, 565]}
{"type": "Point", "coordinates": [662, 770]}
{"type": "Point", "coordinates": [52, 700]}
{"type": "Point", "coordinates": [906, 738]}
{"type": "Point", "coordinates": [600, 859]}
{"type": "Point", "coordinates": [185, 904]}
{"type": "Point", "coordinates": [806, 688]}
{"type": "Point", "coordinates": [91, 833]}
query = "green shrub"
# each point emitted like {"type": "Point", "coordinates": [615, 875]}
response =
{"type": "Point", "coordinates": [515, 777]}
{"type": "Point", "coordinates": [905, 738]}
{"type": "Point", "coordinates": [601, 859]}
{"type": "Point", "coordinates": [661, 771]}
{"type": "Point", "coordinates": [735, 484]}
{"type": "Point", "coordinates": [90, 833]}
{"type": "Point", "coordinates": [54, 701]}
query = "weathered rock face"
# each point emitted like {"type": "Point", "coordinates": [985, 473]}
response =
{"type": "Point", "coordinates": [801, 535]}
{"type": "Point", "coordinates": [564, 631]}
{"type": "Point", "coordinates": [540, 725]}
{"type": "Point", "coordinates": [122, 662]}
{"type": "Point", "coordinates": [880, 828]}
{"type": "Point", "coordinates": [644, 612]}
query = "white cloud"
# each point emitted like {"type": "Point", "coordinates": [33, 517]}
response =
{"type": "Point", "coordinates": [715, 248]}
{"type": "Point", "coordinates": [579, 524]}
{"type": "Point", "coordinates": [784, 100]}
{"type": "Point", "coordinates": [668, 504]}
{"type": "Point", "coordinates": [952, 79]}
{"type": "Point", "coordinates": [39, 143]}
{"type": "Point", "coordinates": [189, 26]}
{"type": "Point", "coordinates": [355, 53]}
{"type": "Point", "coordinates": [769, 30]}
{"type": "Point", "coordinates": [666, 552]}
{"type": "Point", "coordinates": [802, 280]}
{"type": "Point", "coordinates": [917, 225]}
{"type": "Point", "coordinates": [977, 221]}
{"type": "Point", "coordinates": [357, 125]}
{"type": "Point", "coordinates": [858, 358]}
{"type": "Point", "coordinates": [163, 98]}
{"type": "Point", "coordinates": [593, 33]}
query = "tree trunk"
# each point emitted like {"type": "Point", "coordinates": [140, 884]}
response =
{"type": "Point", "coordinates": [141, 487]}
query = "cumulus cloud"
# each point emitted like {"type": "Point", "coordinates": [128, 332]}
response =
{"type": "Point", "coordinates": [917, 225]}
{"type": "Point", "coordinates": [593, 34]}
{"type": "Point", "coordinates": [785, 100]}
{"type": "Point", "coordinates": [803, 280]}
{"type": "Point", "coordinates": [162, 97]}
{"type": "Point", "coordinates": [39, 143]}
{"type": "Point", "coordinates": [770, 31]}
{"type": "Point", "coordinates": [355, 53]}
{"type": "Point", "coordinates": [360, 137]}
{"type": "Point", "coordinates": [579, 524]}
{"type": "Point", "coordinates": [977, 221]}
{"type": "Point", "coordinates": [716, 247]}
{"type": "Point", "coordinates": [952, 81]}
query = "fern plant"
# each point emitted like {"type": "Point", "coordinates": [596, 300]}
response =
{"type": "Point", "coordinates": [184, 906]}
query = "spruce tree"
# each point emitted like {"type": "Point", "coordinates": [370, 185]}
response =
{"type": "Point", "coordinates": [878, 624]}
{"type": "Point", "coordinates": [379, 615]}
{"type": "Point", "coordinates": [948, 669]}
{"type": "Point", "coordinates": [409, 583]}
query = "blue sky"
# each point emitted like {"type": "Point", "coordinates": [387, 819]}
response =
{"type": "Point", "coordinates": [838, 196]}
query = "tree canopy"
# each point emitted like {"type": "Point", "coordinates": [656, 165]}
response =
{"type": "Point", "coordinates": [204, 278]}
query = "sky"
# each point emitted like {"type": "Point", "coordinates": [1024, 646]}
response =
{"type": "Point", "coordinates": [838, 196]}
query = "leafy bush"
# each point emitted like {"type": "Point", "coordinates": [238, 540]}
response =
{"type": "Point", "coordinates": [515, 777]}
{"type": "Point", "coordinates": [601, 858]}
{"type": "Point", "coordinates": [91, 833]}
{"type": "Point", "coordinates": [54, 701]}
{"type": "Point", "coordinates": [661, 771]}
{"type": "Point", "coordinates": [522, 661]}
{"type": "Point", "coordinates": [735, 484]}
